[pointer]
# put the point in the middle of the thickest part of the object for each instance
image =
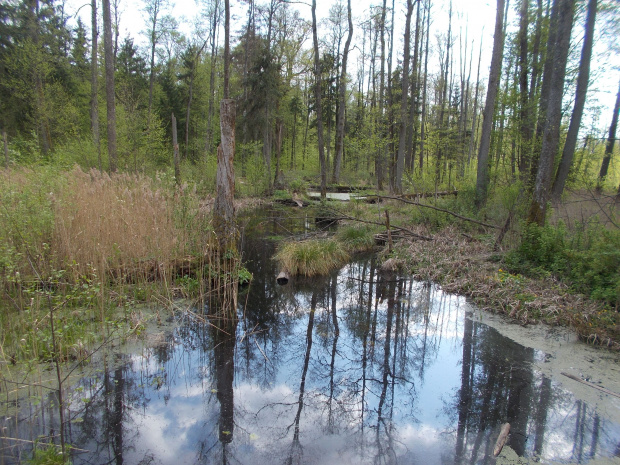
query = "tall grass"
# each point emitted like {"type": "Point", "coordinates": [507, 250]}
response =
{"type": "Point", "coordinates": [88, 246]}
{"type": "Point", "coordinates": [119, 225]}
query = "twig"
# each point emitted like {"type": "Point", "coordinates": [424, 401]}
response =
{"type": "Point", "coordinates": [592, 385]}
{"type": "Point", "coordinates": [399, 228]}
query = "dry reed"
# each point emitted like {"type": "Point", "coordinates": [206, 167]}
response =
{"type": "Point", "coordinates": [118, 224]}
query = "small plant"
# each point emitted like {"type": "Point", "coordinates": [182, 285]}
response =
{"type": "Point", "coordinates": [47, 454]}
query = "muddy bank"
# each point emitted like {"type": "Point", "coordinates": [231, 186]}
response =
{"type": "Point", "coordinates": [469, 266]}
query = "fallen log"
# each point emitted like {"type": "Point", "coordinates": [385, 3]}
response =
{"type": "Point", "coordinates": [501, 439]}
{"type": "Point", "coordinates": [282, 278]}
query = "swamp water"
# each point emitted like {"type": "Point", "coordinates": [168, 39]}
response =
{"type": "Point", "coordinates": [362, 366]}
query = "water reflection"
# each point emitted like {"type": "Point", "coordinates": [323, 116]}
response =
{"type": "Point", "coordinates": [363, 366]}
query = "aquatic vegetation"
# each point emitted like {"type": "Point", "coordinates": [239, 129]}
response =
{"type": "Point", "coordinates": [357, 238]}
{"type": "Point", "coordinates": [312, 257]}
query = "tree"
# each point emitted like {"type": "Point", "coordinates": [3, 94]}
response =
{"type": "Point", "coordinates": [611, 139]}
{"type": "Point", "coordinates": [551, 134]}
{"type": "Point", "coordinates": [94, 77]}
{"type": "Point", "coordinates": [342, 99]}
{"type": "Point", "coordinates": [482, 180]}
{"type": "Point", "coordinates": [402, 137]}
{"type": "Point", "coordinates": [580, 100]}
{"type": "Point", "coordinates": [109, 85]}
{"type": "Point", "coordinates": [317, 97]}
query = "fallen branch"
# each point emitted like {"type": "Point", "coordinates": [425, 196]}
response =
{"type": "Point", "coordinates": [418, 204]}
{"type": "Point", "coordinates": [408, 231]}
{"type": "Point", "coordinates": [592, 385]}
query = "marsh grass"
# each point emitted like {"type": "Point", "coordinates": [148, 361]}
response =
{"type": "Point", "coordinates": [312, 257]}
{"type": "Point", "coordinates": [357, 238]}
{"type": "Point", "coordinates": [90, 246]}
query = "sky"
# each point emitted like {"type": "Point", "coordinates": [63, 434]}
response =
{"type": "Point", "coordinates": [474, 18]}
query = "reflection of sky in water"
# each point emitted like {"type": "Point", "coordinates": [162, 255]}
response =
{"type": "Point", "coordinates": [168, 401]}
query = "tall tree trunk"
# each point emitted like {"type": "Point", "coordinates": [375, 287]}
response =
{"type": "Point", "coordinates": [211, 110]}
{"type": "Point", "coordinates": [317, 100]}
{"type": "Point", "coordinates": [226, 48]}
{"type": "Point", "coordinates": [475, 109]}
{"type": "Point", "coordinates": [423, 120]}
{"type": "Point", "coordinates": [175, 152]}
{"type": "Point", "coordinates": [402, 136]}
{"type": "Point", "coordinates": [482, 179]}
{"type": "Point", "coordinates": [543, 102]}
{"type": "Point", "coordinates": [94, 74]}
{"type": "Point", "coordinates": [411, 143]}
{"type": "Point", "coordinates": [381, 156]}
{"type": "Point", "coordinates": [109, 85]}
{"type": "Point", "coordinates": [551, 134]}
{"type": "Point", "coordinates": [5, 143]}
{"type": "Point", "coordinates": [580, 100]}
{"type": "Point", "coordinates": [524, 128]}
{"type": "Point", "coordinates": [342, 99]}
{"type": "Point", "coordinates": [611, 139]}
{"type": "Point", "coordinates": [156, 5]}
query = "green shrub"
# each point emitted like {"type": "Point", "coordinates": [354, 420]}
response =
{"type": "Point", "coordinates": [588, 260]}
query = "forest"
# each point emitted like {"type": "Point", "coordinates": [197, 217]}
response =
{"type": "Point", "coordinates": [396, 161]}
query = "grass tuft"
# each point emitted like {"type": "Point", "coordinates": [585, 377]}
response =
{"type": "Point", "coordinates": [313, 257]}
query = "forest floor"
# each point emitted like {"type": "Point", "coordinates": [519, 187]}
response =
{"type": "Point", "coordinates": [469, 266]}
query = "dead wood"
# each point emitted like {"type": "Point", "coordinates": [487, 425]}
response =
{"type": "Point", "coordinates": [592, 385]}
{"type": "Point", "coordinates": [418, 204]}
{"type": "Point", "coordinates": [501, 439]}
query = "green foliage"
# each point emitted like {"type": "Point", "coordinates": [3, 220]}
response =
{"type": "Point", "coordinates": [48, 454]}
{"type": "Point", "coordinates": [588, 260]}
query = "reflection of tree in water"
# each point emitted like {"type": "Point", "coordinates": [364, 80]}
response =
{"type": "Point", "coordinates": [499, 384]}
{"type": "Point", "coordinates": [296, 452]}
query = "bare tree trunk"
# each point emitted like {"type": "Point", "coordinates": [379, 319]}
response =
{"type": "Point", "coordinates": [609, 148]}
{"type": "Point", "coordinates": [317, 95]}
{"type": "Point", "coordinates": [109, 85]}
{"type": "Point", "coordinates": [381, 156]}
{"type": "Point", "coordinates": [227, 53]}
{"type": "Point", "coordinates": [482, 180]}
{"type": "Point", "coordinates": [524, 112]}
{"type": "Point", "coordinates": [423, 121]}
{"type": "Point", "coordinates": [475, 109]}
{"type": "Point", "coordinates": [224, 208]}
{"type": "Point", "coordinates": [411, 143]}
{"type": "Point", "coordinates": [211, 110]}
{"type": "Point", "coordinates": [543, 101]}
{"type": "Point", "coordinates": [175, 149]}
{"type": "Point", "coordinates": [6, 148]}
{"type": "Point", "coordinates": [551, 135]}
{"type": "Point", "coordinates": [580, 100]}
{"type": "Point", "coordinates": [156, 5]}
{"type": "Point", "coordinates": [402, 137]}
{"type": "Point", "coordinates": [94, 74]}
{"type": "Point", "coordinates": [342, 100]}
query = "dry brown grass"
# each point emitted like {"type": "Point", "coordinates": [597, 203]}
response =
{"type": "Point", "coordinates": [469, 267]}
{"type": "Point", "coordinates": [114, 223]}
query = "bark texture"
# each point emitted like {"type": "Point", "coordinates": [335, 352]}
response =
{"type": "Point", "coordinates": [580, 101]}
{"type": "Point", "coordinates": [482, 180]}
{"type": "Point", "coordinates": [109, 85]}
{"type": "Point", "coordinates": [224, 209]}
{"type": "Point", "coordinates": [551, 132]}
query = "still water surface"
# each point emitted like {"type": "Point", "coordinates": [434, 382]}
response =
{"type": "Point", "coordinates": [362, 366]}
